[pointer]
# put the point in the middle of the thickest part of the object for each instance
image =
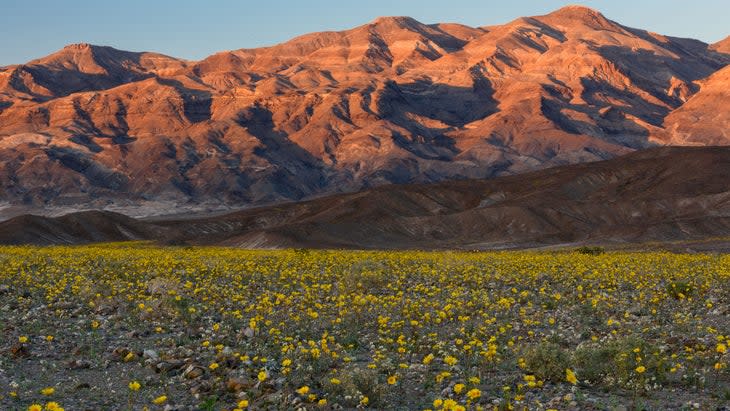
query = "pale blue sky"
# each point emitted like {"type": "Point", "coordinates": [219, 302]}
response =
{"type": "Point", "coordinates": [195, 29]}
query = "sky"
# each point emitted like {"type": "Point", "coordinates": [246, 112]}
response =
{"type": "Point", "coordinates": [195, 29]}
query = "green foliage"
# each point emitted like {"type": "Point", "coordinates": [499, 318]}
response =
{"type": "Point", "coordinates": [679, 289]}
{"type": "Point", "coordinates": [590, 250]}
{"type": "Point", "coordinates": [547, 361]}
{"type": "Point", "coordinates": [615, 363]}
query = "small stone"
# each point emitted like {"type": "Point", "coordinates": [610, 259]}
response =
{"type": "Point", "coordinates": [79, 364]}
{"type": "Point", "coordinates": [168, 366]}
{"type": "Point", "coordinates": [82, 386]}
{"type": "Point", "coordinates": [119, 353]}
{"type": "Point", "coordinates": [193, 371]}
{"type": "Point", "coordinates": [150, 354]}
{"type": "Point", "coordinates": [200, 388]}
{"type": "Point", "coordinates": [236, 385]}
{"type": "Point", "coordinates": [19, 350]}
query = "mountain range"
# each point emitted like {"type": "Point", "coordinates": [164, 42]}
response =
{"type": "Point", "coordinates": [392, 101]}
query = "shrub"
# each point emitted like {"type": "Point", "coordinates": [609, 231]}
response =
{"type": "Point", "coordinates": [614, 364]}
{"type": "Point", "coordinates": [677, 289]}
{"type": "Point", "coordinates": [547, 361]}
{"type": "Point", "coordinates": [591, 250]}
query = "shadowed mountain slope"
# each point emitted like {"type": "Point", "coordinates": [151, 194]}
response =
{"type": "Point", "coordinates": [654, 195]}
{"type": "Point", "coordinates": [660, 194]}
{"type": "Point", "coordinates": [77, 228]}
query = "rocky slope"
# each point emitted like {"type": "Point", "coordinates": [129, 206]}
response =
{"type": "Point", "coordinates": [705, 118]}
{"type": "Point", "coordinates": [655, 195]}
{"type": "Point", "coordinates": [722, 46]}
{"type": "Point", "coordinates": [392, 101]}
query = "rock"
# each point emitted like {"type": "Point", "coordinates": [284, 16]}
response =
{"type": "Point", "coordinates": [82, 386]}
{"type": "Point", "coordinates": [193, 371]}
{"type": "Point", "coordinates": [119, 353]}
{"type": "Point", "coordinates": [150, 354]}
{"type": "Point", "coordinates": [78, 364]}
{"type": "Point", "coordinates": [168, 366]}
{"type": "Point", "coordinates": [236, 385]}
{"type": "Point", "coordinates": [202, 387]}
{"type": "Point", "coordinates": [19, 350]}
{"type": "Point", "coordinates": [132, 334]}
{"type": "Point", "coordinates": [248, 332]}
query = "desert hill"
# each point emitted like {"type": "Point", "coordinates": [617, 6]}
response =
{"type": "Point", "coordinates": [655, 195]}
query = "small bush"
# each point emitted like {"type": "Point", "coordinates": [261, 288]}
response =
{"type": "Point", "coordinates": [679, 289]}
{"type": "Point", "coordinates": [590, 250]}
{"type": "Point", "coordinates": [614, 364]}
{"type": "Point", "coordinates": [595, 364]}
{"type": "Point", "coordinates": [547, 361]}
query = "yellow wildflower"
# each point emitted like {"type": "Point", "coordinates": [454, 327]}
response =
{"type": "Point", "coordinates": [427, 359]}
{"type": "Point", "coordinates": [473, 394]}
{"type": "Point", "coordinates": [570, 376]}
{"type": "Point", "coordinates": [160, 400]}
{"type": "Point", "coordinates": [53, 406]}
{"type": "Point", "coordinates": [721, 348]}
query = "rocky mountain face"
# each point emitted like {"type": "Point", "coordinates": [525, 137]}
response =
{"type": "Point", "coordinates": [392, 101]}
{"type": "Point", "coordinates": [722, 46]}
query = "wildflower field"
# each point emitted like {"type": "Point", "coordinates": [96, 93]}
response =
{"type": "Point", "coordinates": [135, 326]}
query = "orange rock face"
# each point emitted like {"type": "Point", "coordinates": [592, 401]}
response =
{"type": "Point", "coordinates": [391, 101]}
{"type": "Point", "coordinates": [722, 46]}
{"type": "Point", "coordinates": [705, 118]}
